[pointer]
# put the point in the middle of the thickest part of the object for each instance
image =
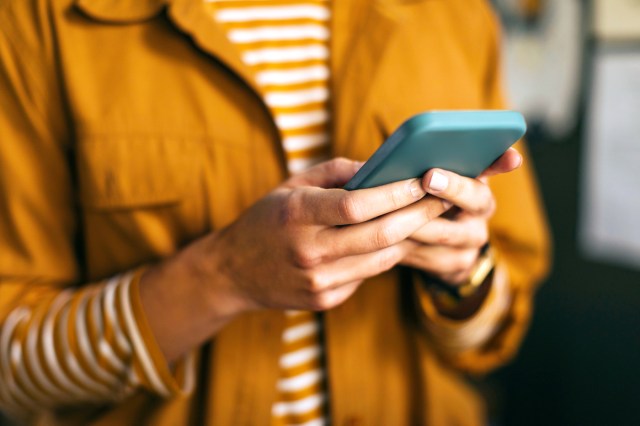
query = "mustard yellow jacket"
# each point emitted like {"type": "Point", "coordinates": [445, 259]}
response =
{"type": "Point", "coordinates": [130, 127]}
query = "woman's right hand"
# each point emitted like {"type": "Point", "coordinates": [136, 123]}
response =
{"type": "Point", "coordinates": [291, 251]}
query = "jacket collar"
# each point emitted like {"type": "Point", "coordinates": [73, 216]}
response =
{"type": "Point", "coordinates": [130, 11]}
{"type": "Point", "coordinates": [121, 11]}
{"type": "Point", "coordinates": [360, 32]}
{"type": "Point", "coordinates": [188, 16]}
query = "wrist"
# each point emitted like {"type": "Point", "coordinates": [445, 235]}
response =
{"type": "Point", "coordinates": [482, 268]}
{"type": "Point", "coordinates": [214, 285]}
{"type": "Point", "coordinates": [186, 298]}
{"type": "Point", "coordinates": [463, 300]}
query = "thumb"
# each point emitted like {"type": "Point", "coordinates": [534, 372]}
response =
{"type": "Point", "coordinates": [508, 162]}
{"type": "Point", "coordinates": [329, 174]}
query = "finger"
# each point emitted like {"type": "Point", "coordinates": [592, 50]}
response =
{"type": "Point", "coordinates": [471, 195]}
{"type": "Point", "coordinates": [448, 264]}
{"type": "Point", "coordinates": [356, 268]}
{"type": "Point", "coordinates": [464, 232]}
{"type": "Point", "coordinates": [331, 297]}
{"type": "Point", "coordinates": [335, 207]}
{"type": "Point", "coordinates": [507, 162]}
{"type": "Point", "coordinates": [456, 279]}
{"type": "Point", "coordinates": [334, 173]}
{"type": "Point", "coordinates": [378, 234]}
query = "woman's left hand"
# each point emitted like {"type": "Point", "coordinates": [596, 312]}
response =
{"type": "Point", "coordinates": [448, 247]}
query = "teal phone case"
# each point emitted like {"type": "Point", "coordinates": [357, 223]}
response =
{"type": "Point", "coordinates": [464, 142]}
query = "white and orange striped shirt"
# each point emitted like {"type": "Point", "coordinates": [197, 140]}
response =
{"type": "Point", "coordinates": [285, 42]}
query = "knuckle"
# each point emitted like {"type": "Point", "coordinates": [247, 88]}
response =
{"type": "Point", "coordinates": [321, 302]}
{"type": "Point", "coordinates": [445, 235]}
{"type": "Point", "coordinates": [466, 260]}
{"type": "Point", "coordinates": [292, 208]}
{"type": "Point", "coordinates": [444, 239]}
{"type": "Point", "coordinates": [487, 207]}
{"type": "Point", "coordinates": [349, 209]}
{"type": "Point", "coordinates": [339, 162]}
{"type": "Point", "coordinates": [333, 165]}
{"type": "Point", "coordinates": [304, 257]}
{"type": "Point", "coordinates": [453, 264]}
{"type": "Point", "coordinates": [457, 188]}
{"type": "Point", "coordinates": [387, 259]}
{"type": "Point", "coordinates": [317, 283]}
{"type": "Point", "coordinates": [395, 199]}
{"type": "Point", "coordinates": [384, 236]}
{"type": "Point", "coordinates": [424, 258]}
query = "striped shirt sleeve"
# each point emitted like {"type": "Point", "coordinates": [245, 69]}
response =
{"type": "Point", "coordinates": [86, 345]}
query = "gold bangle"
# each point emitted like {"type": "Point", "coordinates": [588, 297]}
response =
{"type": "Point", "coordinates": [452, 294]}
{"type": "Point", "coordinates": [479, 274]}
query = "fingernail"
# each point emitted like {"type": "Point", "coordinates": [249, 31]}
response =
{"type": "Point", "coordinates": [446, 204]}
{"type": "Point", "coordinates": [358, 164]}
{"type": "Point", "coordinates": [416, 189]}
{"type": "Point", "coordinates": [439, 182]}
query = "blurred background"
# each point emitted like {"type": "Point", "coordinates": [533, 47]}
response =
{"type": "Point", "coordinates": [573, 68]}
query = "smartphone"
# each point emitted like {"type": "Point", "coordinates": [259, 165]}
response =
{"type": "Point", "coordinates": [464, 142]}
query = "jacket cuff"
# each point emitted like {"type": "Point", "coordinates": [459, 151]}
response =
{"type": "Point", "coordinates": [456, 336]}
{"type": "Point", "coordinates": [149, 363]}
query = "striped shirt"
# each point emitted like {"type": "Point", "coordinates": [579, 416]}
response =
{"type": "Point", "coordinates": [286, 43]}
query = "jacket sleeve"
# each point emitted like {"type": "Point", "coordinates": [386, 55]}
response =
{"type": "Point", "coordinates": [62, 341]}
{"type": "Point", "coordinates": [520, 239]}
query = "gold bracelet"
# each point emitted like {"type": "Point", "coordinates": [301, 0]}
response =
{"type": "Point", "coordinates": [449, 294]}
{"type": "Point", "coordinates": [483, 267]}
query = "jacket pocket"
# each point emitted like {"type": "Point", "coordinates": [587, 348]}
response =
{"type": "Point", "coordinates": [120, 172]}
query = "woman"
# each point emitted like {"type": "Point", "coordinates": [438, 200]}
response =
{"type": "Point", "coordinates": [159, 267]}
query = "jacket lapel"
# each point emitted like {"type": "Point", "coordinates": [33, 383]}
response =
{"type": "Point", "coordinates": [193, 19]}
{"type": "Point", "coordinates": [243, 379]}
{"type": "Point", "coordinates": [189, 17]}
{"type": "Point", "coordinates": [361, 31]}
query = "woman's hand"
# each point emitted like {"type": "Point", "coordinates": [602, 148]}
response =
{"type": "Point", "coordinates": [291, 251]}
{"type": "Point", "coordinates": [448, 246]}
